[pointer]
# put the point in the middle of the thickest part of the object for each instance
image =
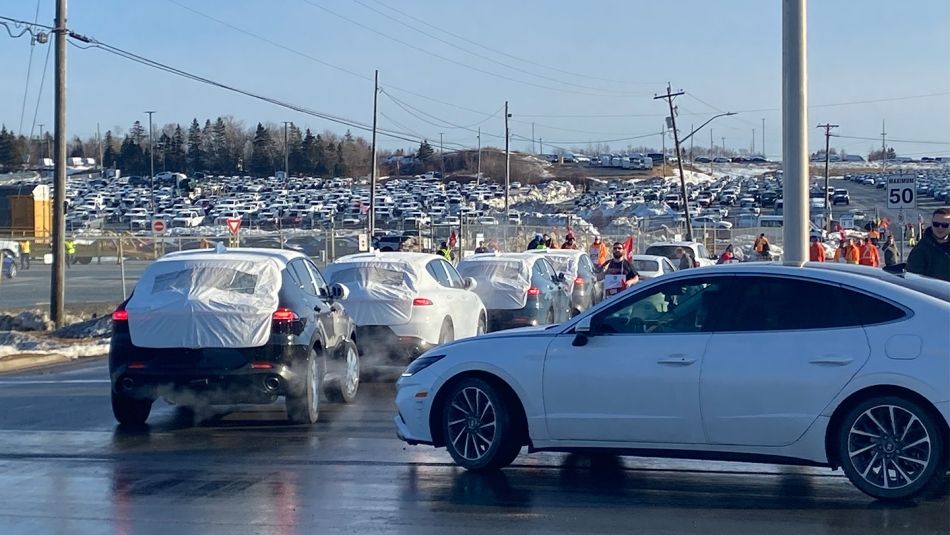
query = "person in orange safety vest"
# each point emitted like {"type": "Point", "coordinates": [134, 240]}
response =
{"type": "Point", "coordinates": [869, 254]}
{"type": "Point", "coordinates": [816, 251]}
{"type": "Point", "coordinates": [847, 252]}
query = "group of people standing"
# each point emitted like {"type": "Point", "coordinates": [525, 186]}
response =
{"type": "Point", "coordinates": [545, 241]}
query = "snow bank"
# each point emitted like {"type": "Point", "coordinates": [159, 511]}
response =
{"type": "Point", "coordinates": [14, 343]}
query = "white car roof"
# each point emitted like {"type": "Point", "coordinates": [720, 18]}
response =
{"type": "Point", "coordinates": [651, 257]}
{"type": "Point", "coordinates": [526, 257]}
{"type": "Point", "coordinates": [417, 260]}
{"type": "Point", "coordinates": [281, 256]}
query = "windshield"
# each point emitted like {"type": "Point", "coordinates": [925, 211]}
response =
{"type": "Point", "coordinates": [668, 251]}
{"type": "Point", "coordinates": [646, 265]}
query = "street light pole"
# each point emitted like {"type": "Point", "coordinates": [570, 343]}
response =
{"type": "Point", "coordinates": [795, 131]}
{"type": "Point", "coordinates": [151, 157]}
{"type": "Point", "coordinates": [827, 128]}
{"type": "Point", "coordinates": [286, 155]}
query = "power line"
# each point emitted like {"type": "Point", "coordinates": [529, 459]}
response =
{"type": "Point", "coordinates": [450, 60]}
{"type": "Point", "coordinates": [502, 52]}
{"type": "Point", "coordinates": [553, 143]}
{"type": "Point", "coordinates": [29, 71]}
{"type": "Point", "coordinates": [487, 58]}
{"type": "Point", "coordinates": [894, 140]}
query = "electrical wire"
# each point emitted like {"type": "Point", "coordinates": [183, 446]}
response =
{"type": "Point", "coordinates": [889, 140]}
{"type": "Point", "coordinates": [450, 60]}
{"type": "Point", "coordinates": [29, 72]}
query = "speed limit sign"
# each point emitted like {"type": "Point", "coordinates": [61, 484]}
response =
{"type": "Point", "coordinates": [901, 192]}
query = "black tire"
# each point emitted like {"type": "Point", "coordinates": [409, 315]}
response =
{"type": "Point", "coordinates": [446, 333]}
{"type": "Point", "coordinates": [903, 436]}
{"type": "Point", "coordinates": [482, 326]}
{"type": "Point", "coordinates": [468, 431]}
{"type": "Point", "coordinates": [130, 411]}
{"type": "Point", "coordinates": [303, 402]}
{"type": "Point", "coordinates": [343, 387]}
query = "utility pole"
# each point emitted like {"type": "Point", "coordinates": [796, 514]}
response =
{"type": "Point", "coordinates": [691, 143]}
{"type": "Point", "coordinates": [40, 141]}
{"type": "Point", "coordinates": [711, 145]}
{"type": "Point", "coordinates": [151, 157]}
{"type": "Point", "coordinates": [102, 169]}
{"type": "Point", "coordinates": [663, 144]}
{"type": "Point", "coordinates": [532, 139]}
{"type": "Point", "coordinates": [371, 215]}
{"type": "Point", "coordinates": [883, 147]}
{"type": "Point", "coordinates": [478, 168]}
{"type": "Point", "coordinates": [827, 127]}
{"type": "Point", "coordinates": [541, 146]}
{"type": "Point", "coordinates": [723, 146]}
{"type": "Point", "coordinates": [679, 160]}
{"type": "Point", "coordinates": [507, 162]}
{"type": "Point", "coordinates": [286, 155]}
{"type": "Point", "coordinates": [763, 139]}
{"type": "Point", "coordinates": [442, 155]}
{"type": "Point", "coordinates": [753, 143]}
{"type": "Point", "coordinates": [795, 129]}
{"type": "Point", "coordinates": [58, 282]}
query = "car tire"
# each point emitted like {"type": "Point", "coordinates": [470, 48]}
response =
{"type": "Point", "coordinates": [446, 333]}
{"type": "Point", "coordinates": [891, 448]}
{"type": "Point", "coordinates": [303, 402]}
{"type": "Point", "coordinates": [343, 388]}
{"type": "Point", "coordinates": [482, 326]}
{"type": "Point", "coordinates": [130, 411]}
{"type": "Point", "coordinates": [477, 426]}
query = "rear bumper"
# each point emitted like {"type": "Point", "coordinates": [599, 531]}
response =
{"type": "Point", "coordinates": [381, 342]}
{"type": "Point", "coordinates": [509, 319]}
{"type": "Point", "coordinates": [268, 373]}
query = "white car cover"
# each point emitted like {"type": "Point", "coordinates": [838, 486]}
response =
{"type": "Point", "coordinates": [502, 282]}
{"type": "Point", "coordinates": [381, 292]}
{"type": "Point", "coordinates": [204, 303]}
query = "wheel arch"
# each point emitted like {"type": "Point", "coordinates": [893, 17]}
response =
{"type": "Point", "coordinates": [831, 431]}
{"type": "Point", "coordinates": [511, 397]}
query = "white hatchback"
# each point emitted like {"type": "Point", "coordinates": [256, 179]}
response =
{"type": "Point", "coordinates": [404, 303]}
{"type": "Point", "coordinates": [735, 362]}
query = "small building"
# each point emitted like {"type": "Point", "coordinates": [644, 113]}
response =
{"type": "Point", "coordinates": [26, 210]}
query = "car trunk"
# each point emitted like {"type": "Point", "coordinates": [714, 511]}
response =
{"type": "Point", "coordinates": [204, 304]}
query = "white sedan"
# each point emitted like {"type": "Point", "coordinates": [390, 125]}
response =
{"type": "Point", "coordinates": [652, 266]}
{"type": "Point", "coordinates": [404, 303]}
{"type": "Point", "coordinates": [734, 363]}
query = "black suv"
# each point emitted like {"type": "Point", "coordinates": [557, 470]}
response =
{"type": "Point", "coordinates": [232, 326]}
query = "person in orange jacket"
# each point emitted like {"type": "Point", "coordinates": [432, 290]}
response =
{"type": "Point", "coordinates": [598, 251]}
{"type": "Point", "coordinates": [847, 252]}
{"type": "Point", "coordinates": [869, 254]}
{"type": "Point", "coordinates": [816, 251]}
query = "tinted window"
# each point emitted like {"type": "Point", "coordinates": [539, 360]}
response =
{"type": "Point", "coordinates": [303, 276]}
{"type": "Point", "coordinates": [438, 273]}
{"type": "Point", "coordinates": [685, 306]}
{"type": "Point", "coordinates": [317, 279]}
{"type": "Point", "coordinates": [454, 279]}
{"type": "Point", "coordinates": [776, 303]}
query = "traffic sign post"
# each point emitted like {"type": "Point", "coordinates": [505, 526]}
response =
{"type": "Point", "coordinates": [234, 227]}
{"type": "Point", "coordinates": [158, 226]}
{"type": "Point", "coordinates": [363, 240]}
{"type": "Point", "coordinates": [901, 192]}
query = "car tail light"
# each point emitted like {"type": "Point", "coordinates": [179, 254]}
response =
{"type": "Point", "coordinates": [579, 280]}
{"type": "Point", "coordinates": [534, 291]}
{"type": "Point", "coordinates": [136, 366]}
{"type": "Point", "coordinates": [120, 315]}
{"type": "Point", "coordinates": [261, 366]}
{"type": "Point", "coordinates": [285, 314]}
{"type": "Point", "coordinates": [421, 302]}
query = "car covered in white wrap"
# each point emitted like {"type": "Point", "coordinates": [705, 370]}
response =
{"type": "Point", "coordinates": [733, 362]}
{"type": "Point", "coordinates": [404, 303]}
{"type": "Point", "coordinates": [226, 326]}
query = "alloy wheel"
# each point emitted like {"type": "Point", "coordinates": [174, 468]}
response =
{"type": "Point", "coordinates": [352, 379]}
{"type": "Point", "coordinates": [471, 423]}
{"type": "Point", "coordinates": [889, 447]}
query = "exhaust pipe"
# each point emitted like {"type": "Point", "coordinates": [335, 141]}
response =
{"type": "Point", "coordinates": [272, 383]}
{"type": "Point", "coordinates": [127, 383]}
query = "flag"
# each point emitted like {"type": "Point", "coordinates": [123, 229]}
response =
{"type": "Point", "coordinates": [628, 249]}
{"type": "Point", "coordinates": [452, 239]}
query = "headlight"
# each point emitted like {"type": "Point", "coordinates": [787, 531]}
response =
{"type": "Point", "coordinates": [420, 364]}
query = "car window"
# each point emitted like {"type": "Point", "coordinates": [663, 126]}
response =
{"type": "Point", "coordinates": [454, 279]}
{"type": "Point", "coordinates": [318, 280]}
{"type": "Point", "coordinates": [437, 271]}
{"type": "Point", "coordinates": [703, 252]}
{"type": "Point", "coordinates": [779, 303]}
{"type": "Point", "coordinates": [306, 283]}
{"type": "Point", "coordinates": [684, 306]}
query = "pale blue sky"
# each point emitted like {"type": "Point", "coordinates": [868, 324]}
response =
{"type": "Point", "coordinates": [726, 53]}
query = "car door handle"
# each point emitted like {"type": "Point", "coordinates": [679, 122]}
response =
{"type": "Point", "coordinates": [676, 360]}
{"type": "Point", "coordinates": [831, 361]}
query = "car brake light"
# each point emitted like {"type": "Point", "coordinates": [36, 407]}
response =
{"type": "Point", "coordinates": [421, 302]}
{"type": "Point", "coordinates": [120, 315]}
{"type": "Point", "coordinates": [579, 280]}
{"type": "Point", "coordinates": [285, 314]}
{"type": "Point", "coordinates": [534, 291]}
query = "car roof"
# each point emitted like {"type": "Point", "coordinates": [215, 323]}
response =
{"type": "Point", "coordinates": [558, 252]}
{"type": "Point", "coordinates": [657, 258]}
{"type": "Point", "coordinates": [528, 257]}
{"type": "Point", "coordinates": [282, 256]}
{"type": "Point", "coordinates": [405, 257]}
{"type": "Point", "coordinates": [674, 243]}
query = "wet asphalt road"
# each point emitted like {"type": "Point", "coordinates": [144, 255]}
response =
{"type": "Point", "coordinates": [66, 468]}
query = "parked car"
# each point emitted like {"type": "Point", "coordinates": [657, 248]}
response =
{"type": "Point", "coordinates": [403, 303]}
{"type": "Point", "coordinates": [584, 286]}
{"type": "Point", "coordinates": [709, 363]}
{"type": "Point", "coordinates": [840, 197]}
{"type": "Point", "coordinates": [652, 266]}
{"type": "Point", "coordinates": [518, 289]}
{"type": "Point", "coordinates": [232, 326]}
{"type": "Point", "coordinates": [701, 255]}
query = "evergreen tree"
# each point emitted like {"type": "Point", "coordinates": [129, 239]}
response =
{"type": "Point", "coordinates": [195, 153]}
{"type": "Point", "coordinates": [218, 154]}
{"type": "Point", "coordinates": [131, 158]}
{"type": "Point", "coordinates": [262, 152]}
{"type": "Point", "coordinates": [339, 167]}
{"type": "Point", "coordinates": [426, 153]}
{"type": "Point", "coordinates": [320, 158]}
{"type": "Point", "coordinates": [176, 151]}
{"type": "Point", "coordinates": [9, 151]}
{"type": "Point", "coordinates": [163, 147]}
{"type": "Point", "coordinates": [77, 151]}
{"type": "Point", "coordinates": [108, 152]}
{"type": "Point", "coordinates": [297, 156]}
{"type": "Point", "coordinates": [138, 133]}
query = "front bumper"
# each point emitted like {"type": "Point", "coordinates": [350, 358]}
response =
{"type": "Point", "coordinates": [412, 417]}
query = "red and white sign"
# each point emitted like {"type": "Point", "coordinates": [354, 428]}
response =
{"type": "Point", "coordinates": [234, 225]}
{"type": "Point", "coordinates": [158, 226]}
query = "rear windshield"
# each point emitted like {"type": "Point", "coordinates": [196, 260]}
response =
{"type": "Point", "coordinates": [646, 265]}
{"type": "Point", "coordinates": [563, 263]}
{"type": "Point", "coordinates": [499, 269]}
{"type": "Point", "coordinates": [370, 275]}
{"type": "Point", "coordinates": [668, 251]}
{"type": "Point", "coordinates": [217, 278]}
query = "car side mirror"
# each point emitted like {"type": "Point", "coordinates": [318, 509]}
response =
{"type": "Point", "coordinates": [469, 283]}
{"type": "Point", "coordinates": [339, 292]}
{"type": "Point", "coordinates": [582, 332]}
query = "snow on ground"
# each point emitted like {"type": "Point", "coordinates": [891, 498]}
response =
{"type": "Point", "coordinates": [15, 343]}
{"type": "Point", "coordinates": [32, 332]}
